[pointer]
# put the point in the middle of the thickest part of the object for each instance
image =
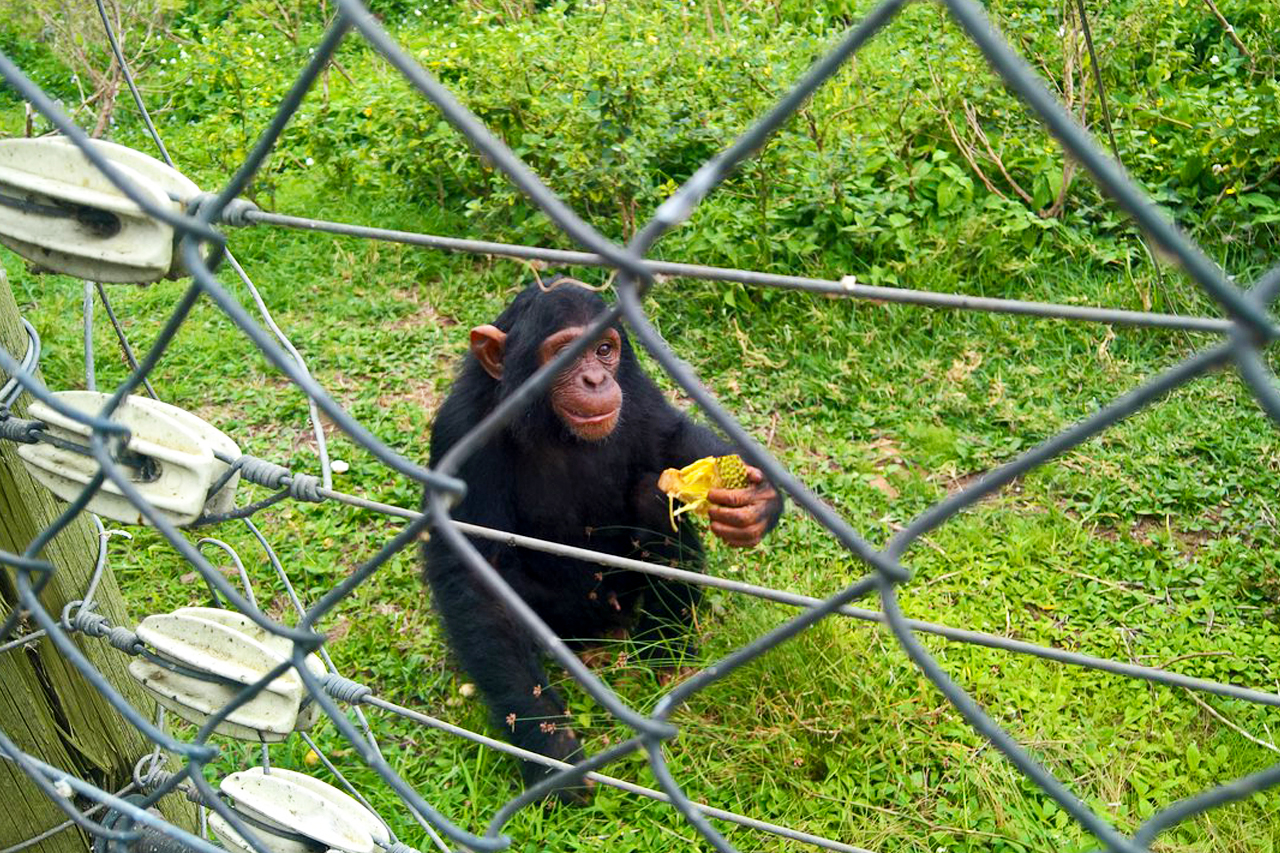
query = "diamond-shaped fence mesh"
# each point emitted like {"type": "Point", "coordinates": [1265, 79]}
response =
{"type": "Point", "coordinates": [1248, 329]}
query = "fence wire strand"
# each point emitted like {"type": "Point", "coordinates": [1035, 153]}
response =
{"type": "Point", "coordinates": [1247, 330]}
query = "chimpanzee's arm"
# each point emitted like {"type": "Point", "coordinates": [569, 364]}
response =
{"type": "Point", "coordinates": [688, 441]}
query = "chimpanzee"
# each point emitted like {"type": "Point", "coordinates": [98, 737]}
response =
{"type": "Point", "coordinates": [579, 466]}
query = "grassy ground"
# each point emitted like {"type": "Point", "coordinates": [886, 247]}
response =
{"type": "Point", "coordinates": [1156, 543]}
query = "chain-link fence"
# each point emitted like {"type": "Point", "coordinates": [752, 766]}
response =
{"type": "Point", "coordinates": [300, 665]}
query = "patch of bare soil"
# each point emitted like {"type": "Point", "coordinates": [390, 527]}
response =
{"type": "Point", "coordinates": [423, 314]}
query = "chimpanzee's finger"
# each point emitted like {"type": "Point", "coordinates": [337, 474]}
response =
{"type": "Point", "coordinates": [739, 537]}
{"type": "Point", "coordinates": [734, 516]}
{"type": "Point", "coordinates": [731, 497]}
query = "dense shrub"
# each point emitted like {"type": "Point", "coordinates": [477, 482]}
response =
{"type": "Point", "coordinates": [912, 151]}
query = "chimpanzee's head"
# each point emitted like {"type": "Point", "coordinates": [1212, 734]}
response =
{"type": "Point", "coordinates": [587, 397]}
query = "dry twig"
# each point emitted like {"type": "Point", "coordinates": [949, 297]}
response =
{"type": "Point", "coordinates": [1232, 34]}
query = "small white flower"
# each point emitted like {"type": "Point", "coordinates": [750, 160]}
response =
{"type": "Point", "coordinates": [338, 466]}
{"type": "Point", "coordinates": [1214, 59]}
{"type": "Point", "coordinates": [312, 162]}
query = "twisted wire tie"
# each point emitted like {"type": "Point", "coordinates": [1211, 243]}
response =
{"type": "Point", "coordinates": [19, 430]}
{"type": "Point", "coordinates": [345, 690]}
{"type": "Point", "coordinates": [96, 625]}
{"type": "Point", "coordinates": [233, 214]}
{"type": "Point", "coordinates": [263, 472]}
{"type": "Point", "coordinates": [235, 211]}
{"type": "Point", "coordinates": [158, 777]}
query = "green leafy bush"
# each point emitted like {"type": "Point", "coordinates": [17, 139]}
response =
{"type": "Point", "coordinates": [914, 151]}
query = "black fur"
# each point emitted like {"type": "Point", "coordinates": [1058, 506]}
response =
{"type": "Point", "coordinates": [537, 479]}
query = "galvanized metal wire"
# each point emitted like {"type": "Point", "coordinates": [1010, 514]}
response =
{"type": "Point", "coordinates": [1247, 329]}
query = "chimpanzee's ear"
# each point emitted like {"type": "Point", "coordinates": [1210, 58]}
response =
{"type": "Point", "coordinates": [489, 343]}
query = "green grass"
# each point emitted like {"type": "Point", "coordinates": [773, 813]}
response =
{"type": "Point", "coordinates": [1154, 543]}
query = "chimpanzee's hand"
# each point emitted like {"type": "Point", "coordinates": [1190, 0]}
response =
{"type": "Point", "coordinates": [740, 517]}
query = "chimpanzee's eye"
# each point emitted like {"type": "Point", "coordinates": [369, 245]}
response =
{"type": "Point", "coordinates": [604, 350]}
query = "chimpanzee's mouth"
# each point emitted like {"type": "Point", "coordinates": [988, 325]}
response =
{"type": "Point", "coordinates": [591, 426]}
{"type": "Point", "coordinates": [589, 420]}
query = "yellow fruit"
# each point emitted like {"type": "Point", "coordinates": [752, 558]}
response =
{"type": "Point", "coordinates": [732, 472]}
{"type": "Point", "coordinates": [691, 484]}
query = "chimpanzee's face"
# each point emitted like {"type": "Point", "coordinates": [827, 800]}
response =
{"type": "Point", "coordinates": [586, 396]}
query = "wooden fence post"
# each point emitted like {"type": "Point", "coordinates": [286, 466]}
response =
{"type": "Point", "coordinates": [46, 706]}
